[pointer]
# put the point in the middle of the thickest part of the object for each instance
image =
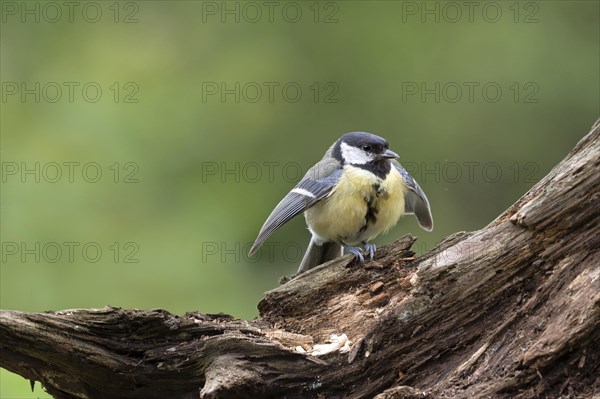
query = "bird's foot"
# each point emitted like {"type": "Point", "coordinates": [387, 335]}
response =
{"type": "Point", "coordinates": [370, 249]}
{"type": "Point", "coordinates": [360, 253]}
{"type": "Point", "coordinates": [357, 252]}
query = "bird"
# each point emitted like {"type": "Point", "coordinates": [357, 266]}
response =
{"type": "Point", "coordinates": [357, 191]}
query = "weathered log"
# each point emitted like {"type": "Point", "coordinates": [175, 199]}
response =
{"type": "Point", "coordinates": [511, 310]}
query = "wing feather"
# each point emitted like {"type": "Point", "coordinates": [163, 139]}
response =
{"type": "Point", "coordinates": [415, 200]}
{"type": "Point", "coordinates": [316, 184]}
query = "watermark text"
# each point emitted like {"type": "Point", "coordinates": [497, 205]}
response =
{"type": "Point", "coordinates": [69, 92]}
{"type": "Point", "coordinates": [69, 11]}
{"type": "Point", "coordinates": [270, 92]}
{"type": "Point", "coordinates": [526, 12]}
{"type": "Point", "coordinates": [325, 12]}
{"type": "Point", "coordinates": [69, 252]}
{"type": "Point", "coordinates": [470, 92]}
{"type": "Point", "coordinates": [69, 171]}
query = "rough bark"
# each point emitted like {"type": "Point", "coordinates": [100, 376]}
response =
{"type": "Point", "coordinates": [511, 310]}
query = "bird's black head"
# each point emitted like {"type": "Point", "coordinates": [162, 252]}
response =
{"type": "Point", "coordinates": [361, 148]}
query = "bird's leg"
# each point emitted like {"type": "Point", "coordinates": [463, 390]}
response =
{"type": "Point", "coordinates": [370, 249]}
{"type": "Point", "coordinates": [357, 252]}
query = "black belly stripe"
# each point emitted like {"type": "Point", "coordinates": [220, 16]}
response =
{"type": "Point", "coordinates": [377, 189]}
{"type": "Point", "coordinates": [370, 215]}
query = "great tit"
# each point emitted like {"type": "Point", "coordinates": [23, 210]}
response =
{"type": "Point", "coordinates": [356, 192]}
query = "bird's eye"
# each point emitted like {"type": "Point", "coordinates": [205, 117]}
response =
{"type": "Point", "coordinates": [366, 148]}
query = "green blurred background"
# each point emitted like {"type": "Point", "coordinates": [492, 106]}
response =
{"type": "Point", "coordinates": [192, 159]}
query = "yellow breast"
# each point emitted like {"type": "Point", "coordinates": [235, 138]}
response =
{"type": "Point", "coordinates": [359, 208]}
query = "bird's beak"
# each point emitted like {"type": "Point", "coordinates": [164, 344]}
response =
{"type": "Point", "coordinates": [389, 154]}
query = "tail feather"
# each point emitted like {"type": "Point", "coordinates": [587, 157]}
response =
{"type": "Point", "coordinates": [318, 254]}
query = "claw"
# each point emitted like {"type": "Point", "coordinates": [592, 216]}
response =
{"type": "Point", "coordinates": [357, 252]}
{"type": "Point", "coordinates": [370, 249]}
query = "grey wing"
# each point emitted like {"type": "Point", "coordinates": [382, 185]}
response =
{"type": "Point", "coordinates": [415, 200]}
{"type": "Point", "coordinates": [316, 184]}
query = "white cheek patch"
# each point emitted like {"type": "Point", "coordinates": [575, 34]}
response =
{"type": "Point", "coordinates": [354, 155]}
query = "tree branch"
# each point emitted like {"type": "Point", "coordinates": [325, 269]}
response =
{"type": "Point", "coordinates": [511, 310]}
